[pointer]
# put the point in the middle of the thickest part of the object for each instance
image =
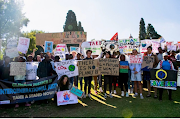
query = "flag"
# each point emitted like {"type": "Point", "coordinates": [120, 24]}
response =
{"type": "Point", "coordinates": [115, 37]}
{"type": "Point", "coordinates": [162, 40]}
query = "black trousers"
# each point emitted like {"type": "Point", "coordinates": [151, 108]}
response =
{"type": "Point", "coordinates": [161, 93]}
{"type": "Point", "coordinates": [87, 83]}
{"type": "Point", "coordinates": [108, 78]}
{"type": "Point", "coordinates": [123, 79]}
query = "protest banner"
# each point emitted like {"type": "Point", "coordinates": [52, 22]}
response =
{"type": "Point", "coordinates": [23, 44]}
{"type": "Point", "coordinates": [17, 68]}
{"type": "Point", "coordinates": [135, 59]}
{"type": "Point", "coordinates": [76, 49]}
{"type": "Point", "coordinates": [68, 67]}
{"type": "Point", "coordinates": [178, 77]}
{"type": "Point", "coordinates": [166, 79]}
{"type": "Point", "coordinates": [66, 97]}
{"type": "Point", "coordinates": [146, 43]}
{"type": "Point", "coordinates": [88, 68]}
{"type": "Point", "coordinates": [127, 45]}
{"type": "Point", "coordinates": [48, 46]}
{"type": "Point", "coordinates": [70, 37]}
{"type": "Point", "coordinates": [12, 93]}
{"type": "Point", "coordinates": [31, 70]}
{"type": "Point", "coordinates": [13, 52]}
{"type": "Point", "coordinates": [77, 92]}
{"type": "Point", "coordinates": [109, 66]}
{"type": "Point", "coordinates": [169, 45]}
{"type": "Point", "coordinates": [124, 67]}
{"type": "Point", "coordinates": [147, 63]}
{"type": "Point", "coordinates": [11, 43]}
{"type": "Point", "coordinates": [60, 51]}
{"type": "Point", "coordinates": [94, 46]}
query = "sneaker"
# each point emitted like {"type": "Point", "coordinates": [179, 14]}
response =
{"type": "Point", "coordinates": [135, 95]}
{"type": "Point", "coordinates": [114, 91]}
{"type": "Point", "coordinates": [131, 90]}
{"type": "Point", "coordinates": [100, 89]}
{"type": "Point", "coordinates": [110, 95]}
{"type": "Point", "coordinates": [89, 95]}
{"type": "Point", "coordinates": [155, 96]}
{"type": "Point", "coordinates": [105, 95]}
{"type": "Point", "coordinates": [141, 96]}
{"type": "Point", "coordinates": [127, 95]}
{"type": "Point", "coordinates": [84, 96]}
{"type": "Point", "coordinates": [148, 95]}
{"type": "Point", "coordinates": [122, 93]}
{"type": "Point", "coordinates": [27, 104]}
{"type": "Point", "coordinates": [17, 105]}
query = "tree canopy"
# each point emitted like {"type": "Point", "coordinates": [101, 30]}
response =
{"type": "Point", "coordinates": [142, 30]}
{"type": "Point", "coordinates": [151, 33]}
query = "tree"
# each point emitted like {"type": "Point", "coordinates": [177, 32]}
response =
{"type": "Point", "coordinates": [11, 18]}
{"type": "Point", "coordinates": [80, 28]}
{"type": "Point", "coordinates": [71, 23]}
{"type": "Point", "coordinates": [142, 30]}
{"type": "Point", "coordinates": [32, 36]}
{"type": "Point", "coordinates": [151, 33]}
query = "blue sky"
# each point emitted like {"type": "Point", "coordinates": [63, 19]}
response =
{"type": "Point", "coordinates": [101, 19]}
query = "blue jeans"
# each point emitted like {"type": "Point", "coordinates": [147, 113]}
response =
{"type": "Point", "coordinates": [71, 80]}
{"type": "Point", "coordinates": [100, 80]}
{"type": "Point", "coordinates": [129, 80]}
{"type": "Point", "coordinates": [78, 78]}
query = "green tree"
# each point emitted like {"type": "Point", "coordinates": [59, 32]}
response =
{"type": "Point", "coordinates": [71, 23]}
{"type": "Point", "coordinates": [142, 30]}
{"type": "Point", "coordinates": [32, 36]}
{"type": "Point", "coordinates": [80, 28]}
{"type": "Point", "coordinates": [11, 18]}
{"type": "Point", "coordinates": [151, 33]}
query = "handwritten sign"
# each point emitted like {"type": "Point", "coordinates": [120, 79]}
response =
{"type": "Point", "coordinates": [88, 68]}
{"type": "Point", "coordinates": [11, 43]}
{"type": "Point", "coordinates": [66, 97]}
{"type": "Point", "coordinates": [109, 66]}
{"type": "Point", "coordinates": [147, 63]}
{"type": "Point", "coordinates": [135, 59]}
{"type": "Point", "coordinates": [60, 51]}
{"type": "Point", "coordinates": [77, 92]}
{"type": "Point", "coordinates": [71, 37]}
{"type": "Point", "coordinates": [17, 68]}
{"type": "Point", "coordinates": [48, 46]}
{"type": "Point", "coordinates": [146, 43]}
{"type": "Point", "coordinates": [124, 67]}
{"type": "Point", "coordinates": [13, 52]}
{"type": "Point", "coordinates": [31, 70]}
{"type": "Point", "coordinates": [68, 67]}
{"type": "Point", "coordinates": [23, 44]}
{"type": "Point", "coordinates": [76, 49]}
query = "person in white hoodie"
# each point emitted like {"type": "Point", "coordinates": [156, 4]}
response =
{"type": "Point", "coordinates": [136, 76]}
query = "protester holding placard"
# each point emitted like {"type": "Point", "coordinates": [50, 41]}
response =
{"type": "Point", "coordinates": [108, 78]}
{"type": "Point", "coordinates": [165, 65]}
{"type": "Point", "coordinates": [39, 58]}
{"type": "Point", "coordinates": [77, 77]}
{"type": "Point", "coordinates": [136, 75]}
{"type": "Point", "coordinates": [123, 75]}
{"type": "Point", "coordinates": [146, 74]}
{"type": "Point", "coordinates": [115, 78]}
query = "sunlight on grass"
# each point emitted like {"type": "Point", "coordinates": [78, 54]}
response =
{"type": "Point", "coordinates": [99, 96]}
{"type": "Point", "coordinates": [145, 89]}
{"type": "Point", "coordinates": [127, 113]}
{"type": "Point", "coordinates": [83, 104]}
{"type": "Point", "coordinates": [176, 102]}
{"type": "Point", "coordinates": [95, 98]}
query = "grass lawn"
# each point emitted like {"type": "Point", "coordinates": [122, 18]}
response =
{"type": "Point", "coordinates": [97, 106]}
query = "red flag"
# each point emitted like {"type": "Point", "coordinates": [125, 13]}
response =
{"type": "Point", "coordinates": [115, 37]}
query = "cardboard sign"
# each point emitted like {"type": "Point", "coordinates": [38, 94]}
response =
{"type": "Point", "coordinates": [60, 51]}
{"type": "Point", "coordinates": [109, 66]}
{"type": "Point", "coordinates": [11, 43]}
{"type": "Point", "coordinates": [135, 59]}
{"type": "Point", "coordinates": [76, 49]}
{"type": "Point", "coordinates": [178, 77]}
{"type": "Point", "coordinates": [94, 46]}
{"type": "Point", "coordinates": [88, 68]}
{"type": "Point", "coordinates": [71, 37]}
{"type": "Point", "coordinates": [48, 46]}
{"type": "Point", "coordinates": [68, 67]}
{"type": "Point", "coordinates": [166, 79]}
{"type": "Point", "coordinates": [147, 63]}
{"type": "Point", "coordinates": [31, 70]}
{"type": "Point", "coordinates": [13, 52]}
{"type": "Point", "coordinates": [66, 97]}
{"type": "Point", "coordinates": [17, 68]}
{"type": "Point", "coordinates": [77, 92]}
{"type": "Point", "coordinates": [124, 67]}
{"type": "Point", "coordinates": [127, 45]}
{"type": "Point", "coordinates": [23, 44]}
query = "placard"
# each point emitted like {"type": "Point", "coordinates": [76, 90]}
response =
{"type": "Point", "coordinates": [23, 44]}
{"type": "Point", "coordinates": [178, 77]}
{"type": "Point", "coordinates": [13, 52]}
{"type": "Point", "coordinates": [135, 59]}
{"type": "Point", "coordinates": [109, 66]}
{"type": "Point", "coordinates": [66, 97]}
{"type": "Point", "coordinates": [68, 67]}
{"type": "Point", "coordinates": [11, 43]}
{"type": "Point", "coordinates": [169, 44]}
{"type": "Point", "coordinates": [60, 51]}
{"type": "Point", "coordinates": [88, 68]}
{"type": "Point", "coordinates": [124, 66]}
{"type": "Point", "coordinates": [31, 70]}
{"type": "Point", "coordinates": [48, 46]}
{"type": "Point", "coordinates": [147, 63]}
{"type": "Point", "coordinates": [77, 92]}
{"type": "Point", "coordinates": [17, 68]}
{"type": "Point", "coordinates": [76, 49]}
{"type": "Point", "coordinates": [146, 43]}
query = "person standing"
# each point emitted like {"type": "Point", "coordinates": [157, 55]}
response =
{"type": "Point", "coordinates": [160, 54]}
{"type": "Point", "coordinates": [77, 77]}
